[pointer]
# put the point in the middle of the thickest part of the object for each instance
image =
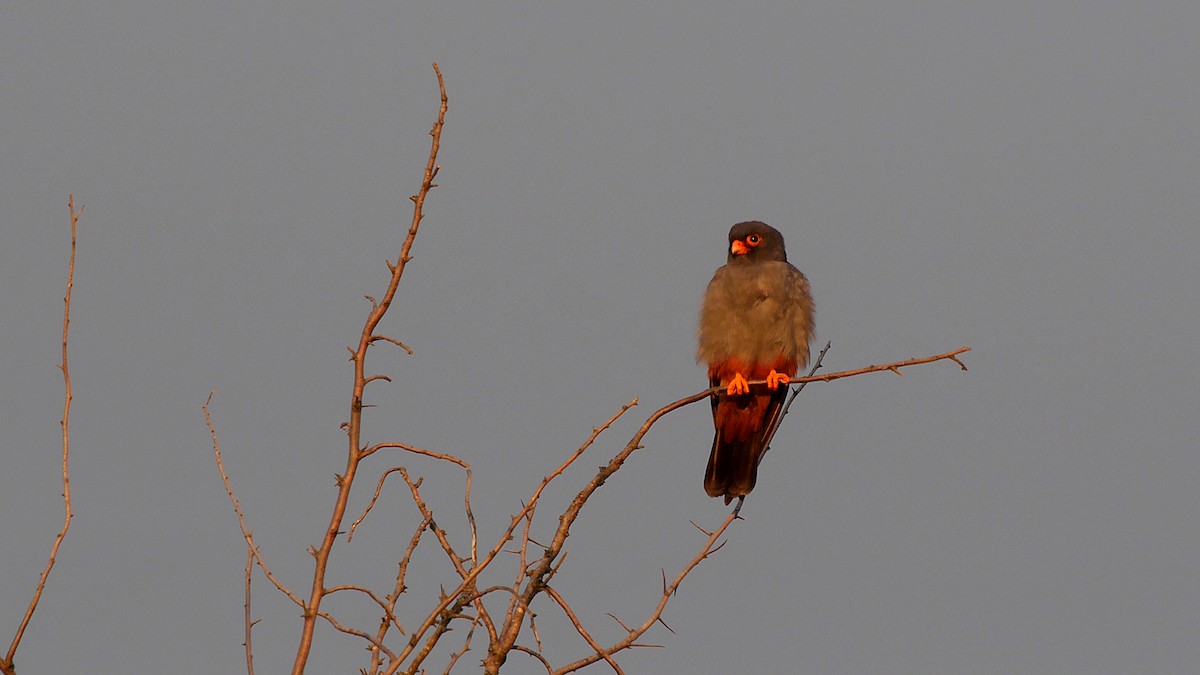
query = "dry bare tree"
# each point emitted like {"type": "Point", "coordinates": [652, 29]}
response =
{"type": "Point", "coordinates": [501, 612]}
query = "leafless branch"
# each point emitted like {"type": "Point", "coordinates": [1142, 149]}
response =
{"type": "Point", "coordinates": [600, 651]}
{"type": "Point", "coordinates": [537, 655]}
{"type": "Point", "coordinates": [6, 665]}
{"type": "Point", "coordinates": [891, 367]}
{"type": "Point", "coordinates": [376, 338]}
{"type": "Point", "coordinates": [415, 450]}
{"type": "Point", "coordinates": [504, 538]}
{"type": "Point", "coordinates": [247, 534]}
{"type": "Point", "coordinates": [455, 559]}
{"type": "Point", "coordinates": [710, 546]}
{"type": "Point", "coordinates": [371, 504]}
{"type": "Point", "coordinates": [354, 429]}
{"type": "Point", "coordinates": [357, 633]}
{"type": "Point", "coordinates": [249, 621]}
{"type": "Point", "coordinates": [455, 656]}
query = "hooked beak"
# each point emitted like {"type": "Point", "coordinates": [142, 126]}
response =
{"type": "Point", "coordinates": [738, 247]}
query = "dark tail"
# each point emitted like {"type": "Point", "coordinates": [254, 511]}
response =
{"type": "Point", "coordinates": [732, 468]}
{"type": "Point", "coordinates": [745, 425]}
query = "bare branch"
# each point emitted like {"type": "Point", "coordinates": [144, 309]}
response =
{"type": "Point", "coordinates": [354, 430]}
{"type": "Point", "coordinates": [365, 591]}
{"type": "Point", "coordinates": [432, 618]}
{"type": "Point", "coordinates": [536, 655]}
{"type": "Point", "coordinates": [562, 602]}
{"type": "Point", "coordinates": [371, 505]}
{"type": "Point", "coordinates": [6, 665]}
{"type": "Point", "coordinates": [455, 559]}
{"type": "Point", "coordinates": [498, 651]}
{"type": "Point", "coordinates": [249, 622]}
{"type": "Point", "coordinates": [402, 572]}
{"type": "Point", "coordinates": [394, 341]}
{"type": "Point", "coordinates": [247, 535]}
{"type": "Point", "coordinates": [456, 655]}
{"type": "Point", "coordinates": [357, 633]}
{"type": "Point", "coordinates": [710, 546]}
{"type": "Point", "coordinates": [891, 367]}
{"type": "Point", "coordinates": [415, 450]}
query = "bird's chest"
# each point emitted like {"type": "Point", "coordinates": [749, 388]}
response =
{"type": "Point", "coordinates": [754, 296]}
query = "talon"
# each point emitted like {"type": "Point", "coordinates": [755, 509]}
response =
{"type": "Point", "coordinates": [775, 379]}
{"type": "Point", "coordinates": [738, 385]}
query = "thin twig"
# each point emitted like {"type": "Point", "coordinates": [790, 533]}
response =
{"type": "Point", "coordinates": [356, 632]}
{"type": "Point", "coordinates": [394, 597]}
{"type": "Point", "coordinates": [537, 655]}
{"type": "Point", "coordinates": [455, 559]}
{"type": "Point", "coordinates": [249, 622]}
{"type": "Point", "coordinates": [497, 652]}
{"type": "Point", "coordinates": [371, 505]}
{"type": "Point", "coordinates": [800, 387]}
{"type": "Point", "coordinates": [247, 534]}
{"type": "Point", "coordinates": [6, 665]}
{"type": "Point", "coordinates": [562, 602]}
{"type": "Point", "coordinates": [375, 338]}
{"type": "Point", "coordinates": [892, 367]}
{"type": "Point", "coordinates": [415, 450]}
{"type": "Point", "coordinates": [454, 656]}
{"type": "Point", "coordinates": [776, 420]}
{"type": "Point", "coordinates": [710, 547]}
{"type": "Point", "coordinates": [365, 591]}
{"type": "Point", "coordinates": [445, 602]}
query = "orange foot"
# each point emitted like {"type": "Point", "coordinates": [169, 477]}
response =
{"type": "Point", "coordinates": [775, 379]}
{"type": "Point", "coordinates": [738, 385]}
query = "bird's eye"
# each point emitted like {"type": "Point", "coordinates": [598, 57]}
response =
{"type": "Point", "coordinates": [754, 240]}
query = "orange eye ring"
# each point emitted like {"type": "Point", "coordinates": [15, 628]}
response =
{"type": "Point", "coordinates": [754, 240]}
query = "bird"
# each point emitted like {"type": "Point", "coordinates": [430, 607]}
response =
{"type": "Point", "coordinates": [756, 322]}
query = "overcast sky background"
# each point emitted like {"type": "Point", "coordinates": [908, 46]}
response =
{"type": "Point", "coordinates": [1018, 177]}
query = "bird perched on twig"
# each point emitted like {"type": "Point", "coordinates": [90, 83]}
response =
{"type": "Point", "coordinates": [755, 324]}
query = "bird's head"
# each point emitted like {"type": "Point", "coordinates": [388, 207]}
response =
{"type": "Point", "coordinates": [753, 241]}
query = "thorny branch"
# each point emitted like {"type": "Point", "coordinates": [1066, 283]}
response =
{"type": "Point", "coordinates": [543, 569]}
{"type": "Point", "coordinates": [354, 429]}
{"type": "Point", "coordinates": [710, 547]}
{"type": "Point", "coordinates": [533, 577]}
{"type": "Point", "coordinates": [6, 664]}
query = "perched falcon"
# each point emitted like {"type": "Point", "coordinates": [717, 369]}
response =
{"type": "Point", "coordinates": [755, 324]}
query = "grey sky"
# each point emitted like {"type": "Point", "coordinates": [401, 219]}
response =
{"type": "Point", "coordinates": [1017, 177]}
